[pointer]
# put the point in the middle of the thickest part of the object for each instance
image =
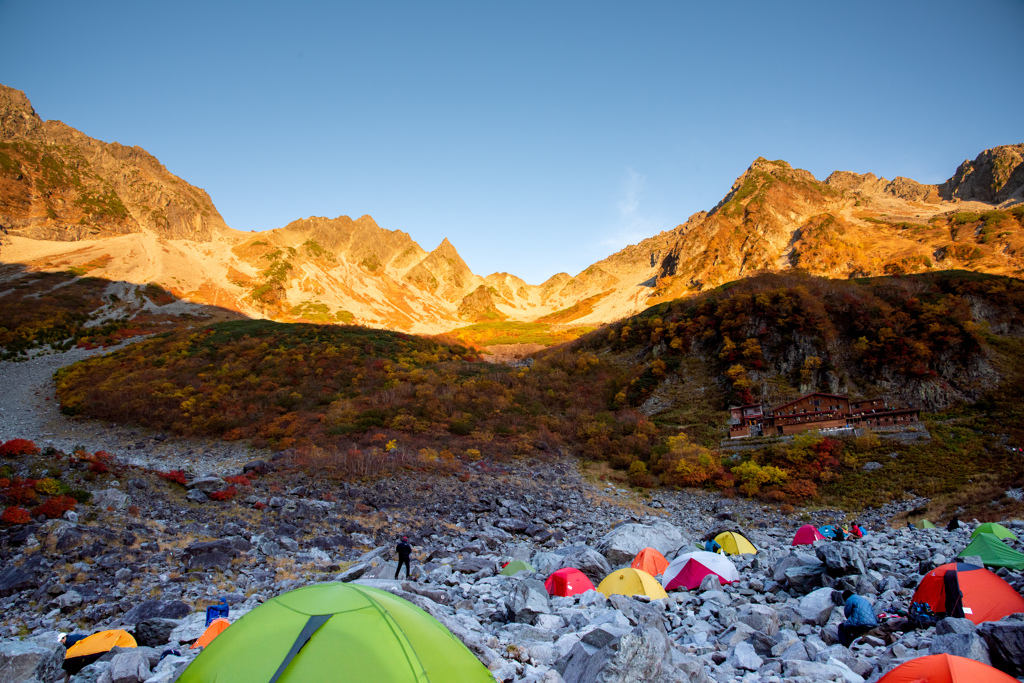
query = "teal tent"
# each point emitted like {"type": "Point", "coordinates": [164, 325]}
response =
{"type": "Point", "coordinates": [993, 552]}
{"type": "Point", "coordinates": [336, 632]}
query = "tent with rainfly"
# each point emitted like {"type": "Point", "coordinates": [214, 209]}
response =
{"type": "Point", "coordinates": [631, 582]}
{"type": "Point", "coordinates": [335, 631]}
{"type": "Point", "coordinates": [993, 552]}
{"type": "Point", "coordinates": [925, 524]}
{"type": "Point", "coordinates": [650, 561]}
{"type": "Point", "coordinates": [735, 543]}
{"type": "Point", "coordinates": [568, 581]}
{"type": "Point", "coordinates": [687, 571]}
{"type": "Point", "coordinates": [806, 535]}
{"type": "Point", "coordinates": [997, 530]}
{"type": "Point", "coordinates": [964, 590]}
{"type": "Point", "coordinates": [945, 668]}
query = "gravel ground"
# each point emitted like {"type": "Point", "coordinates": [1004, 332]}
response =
{"type": "Point", "coordinates": [29, 410]}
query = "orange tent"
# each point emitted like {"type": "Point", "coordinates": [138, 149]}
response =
{"type": "Point", "coordinates": [945, 669]}
{"type": "Point", "coordinates": [650, 561]}
{"type": "Point", "coordinates": [215, 628]}
{"type": "Point", "coordinates": [964, 590]}
{"type": "Point", "coordinates": [99, 643]}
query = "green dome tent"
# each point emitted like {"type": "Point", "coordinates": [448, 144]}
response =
{"type": "Point", "coordinates": [516, 566]}
{"type": "Point", "coordinates": [336, 631]}
{"type": "Point", "coordinates": [998, 530]}
{"type": "Point", "coordinates": [993, 552]}
{"type": "Point", "coordinates": [925, 524]}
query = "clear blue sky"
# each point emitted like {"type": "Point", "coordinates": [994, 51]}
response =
{"type": "Point", "coordinates": [537, 136]}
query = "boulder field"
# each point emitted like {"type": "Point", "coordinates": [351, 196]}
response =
{"type": "Point", "coordinates": [148, 556]}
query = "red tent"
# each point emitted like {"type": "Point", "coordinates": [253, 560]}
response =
{"type": "Point", "coordinates": [945, 669]}
{"type": "Point", "coordinates": [567, 582]}
{"type": "Point", "coordinates": [964, 590]}
{"type": "Point", "coordinates": [650, 561]}
{"type": "Point", "coordinates": [806, 535]}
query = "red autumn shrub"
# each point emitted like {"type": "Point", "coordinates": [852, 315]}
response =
{"type": "Point", "coordinates": [174, 476]}
{"type": "Point", "coordinates": [15, 515]}
{"type": "Point", "coordinates": [99, 467]}
{"type": "Point", "coordinates": [16, 447]}
{"type": "Point", "coordinates": [226, 494]}
{"type": "Point", "coordinates": [260, 506]}
{"type": "Point", "coordinates": [4, 482]}
{"type": "Point", "coordinates": [55, 507]}
{"type": "Point", "coordinates": [238, 480]}
{"type": "Point", "coordinates": [20, 493]}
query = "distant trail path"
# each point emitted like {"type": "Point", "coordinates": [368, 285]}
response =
{"type": "Point", "coordinates": [29, 410]}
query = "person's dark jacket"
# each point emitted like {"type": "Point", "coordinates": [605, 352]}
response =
{"type": "Point", "coordinates": [404, 550]}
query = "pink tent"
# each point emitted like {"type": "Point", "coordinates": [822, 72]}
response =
{"type": "Point", "coordinates": [687, 571]}
{"type": "Point", "coordinates": [806, 535]}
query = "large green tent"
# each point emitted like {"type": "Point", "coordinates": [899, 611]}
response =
{"type": "Point", "coordinates": [998, 530]}
{"type": "Point", "coordinates": [516, 566]}
{"type": "Point", "coordinates": [993, 552]}
{"type": "Point", "coordinates": [336, 632]}
{"type": "Point", "coordinates": [925, 524]}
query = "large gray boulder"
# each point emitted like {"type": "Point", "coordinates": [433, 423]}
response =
{"type": "Point", "coordinates": [792, 560]}
{"type": "Point", "coordinates": [155, 632]}
{"type": "Point", "coordinates": [761, 618]}
{"type": "Point", "coordinates": [129, 667]}
{"type": "Point", "coordinates": [816, 606]}
{"type": "Point", "coordinates": [208, 484]}
{"type": "Point", "coordinates": [163, 609]}
{"type": "Point", "coordinates": [621, 544]}
{"type": "Point", "coordinates": [1005, 640]}
{"type": "Point", "coordinates": [527, 600]}
{"type": "Point", "coordinates": [584, 558]}
{"type": "Point", "coordinates": [644, 654]}
{"type": "Point", "coordinates": [969, 645]}
{"type": "Point", "coordinates": [110, 499]}
{"type": "Point", "coordinates": [804, 578]}
{"type": "Point", "coordinates": [37, 660]}
{"type": "Point", "coordinates": [841, 559]}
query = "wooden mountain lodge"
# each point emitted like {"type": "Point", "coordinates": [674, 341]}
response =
{"type": "Point", "coordinates": [816, 411]}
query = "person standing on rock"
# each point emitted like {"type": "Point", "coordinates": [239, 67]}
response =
{"type": "Point", "coordinates": [404, 551]}
{"type": "Point", "coordinates": [860, 618]}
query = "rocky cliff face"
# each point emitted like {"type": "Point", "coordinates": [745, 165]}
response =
{"type": "Point", "coordinates": [59, 184]}
{"type": "Point", "coordinates": [995, 176]}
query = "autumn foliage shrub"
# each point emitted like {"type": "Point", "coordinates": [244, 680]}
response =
{"type": "Point", "coordinates": [174, 476]}
{"type": "Point", "coordinates": [21, 492]}
{"type": "Point", "coordinates": [238, 480]}
{"type": "Point", "coordinates": [47, 486]}
{"type": "Point", "coordinates": [55, 507]}
{"type": "Point", "coordinates": [16, 447]}
{"type": "Point", "coordinates": [15, 515]}
{"type": "Point", "coordinates": [226, 494]}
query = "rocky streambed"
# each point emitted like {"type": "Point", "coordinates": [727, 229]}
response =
{"type": "Point", "coordinates": [149, 555]}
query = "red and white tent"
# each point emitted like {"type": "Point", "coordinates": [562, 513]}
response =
{"type": "Point", "coordinates": [687, 571]}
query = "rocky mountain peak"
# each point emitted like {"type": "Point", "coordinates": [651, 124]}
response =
{"type": "Point", "coordinates": [17, 117]}
{"type": "Point", "coordinates": [995, 175]}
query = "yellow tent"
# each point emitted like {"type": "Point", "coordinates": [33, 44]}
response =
{"type": "Point", "coordinates": [735, 544]}
{"type": "Point", "coordinates": [100, 642]}
{"type": "Point", "coordinates": [632, 582]}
